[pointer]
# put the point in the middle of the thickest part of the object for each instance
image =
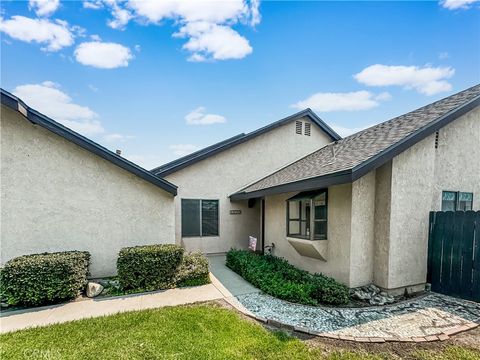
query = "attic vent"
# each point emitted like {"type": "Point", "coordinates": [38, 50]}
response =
{"type": "Point", "coordinates": [307, 128]}
{"type": "Point", "coordinates": [298, 127]}
{"type": "Point", "coordinates": [436, 140]}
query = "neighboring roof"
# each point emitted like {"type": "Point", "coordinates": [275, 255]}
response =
{"type": "Point", "coordinates": [37, 118]}
{"type": "Point", "coordinates": [188, 160]}
{"type": "Point", "coordinates": [352, 157]}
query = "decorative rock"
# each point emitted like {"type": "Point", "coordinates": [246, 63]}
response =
{"type": "Point", "coordinates": [373, 288]}
{"type": "Point", "coordinates": [4, 305]}
{"type": "Point", "coordinates": [378, 300]}
{"type": "Point", "coordinates": [361, 295]}
{"type": "Point", "coordinates": [94, 289]}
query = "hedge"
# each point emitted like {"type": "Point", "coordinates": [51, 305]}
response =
{"type": "Point", "coordinates": [193, 271]}
{"type": "Point", "coordinates": [276, 277]}
{"type": "Point", "coordinates": [47, 278]}
{"type": "Point", "coordinates": [148, 267]}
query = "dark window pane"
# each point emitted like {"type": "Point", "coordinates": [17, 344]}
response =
{"type": "Point", "coordinates": [209, 217]}
{"type": "Point", "coordinates": [465, 201]}
{"type": "Point", "coordinates": [320, 212]}
{"type": "Point", "coordinates": [449, 201]}
{"type": "Point", "coordinates": [190, 217]}
{"type": "Point", "coordinates": [320, 230]}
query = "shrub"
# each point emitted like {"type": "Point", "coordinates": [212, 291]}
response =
{"type": "Point", "coordinates": [149, 267]}
{"type": "Point", "coordinates": [193, 271]}
{"type": "Point", "coordinates": [47, 278]}
{"type": "Point", "coordinates": [275, 276]}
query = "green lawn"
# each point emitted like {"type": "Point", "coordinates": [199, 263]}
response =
{"type": "Point", "coordinates": [185, 332]}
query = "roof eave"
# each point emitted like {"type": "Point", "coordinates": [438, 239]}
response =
{"type": "Point", "coordinates": [37, 118]}
{"type": "Point", "coordinates": [340, 177]}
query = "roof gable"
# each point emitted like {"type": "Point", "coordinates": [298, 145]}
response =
{"type": "Point", "coordinates": [197, 156]}
{"type": "Point", "coordinates": [37, 118]}
{"type": "Point", "coordinates": [352, 157]}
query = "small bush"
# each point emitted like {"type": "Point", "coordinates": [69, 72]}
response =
{"type": "Point", "coordinates": [39, 279]}
{"type": "Point", "coordinates": [193, 271]}
{"type": "Point", "coordinates": [277, 277]}
{"type": "Point", "coordinates": [149, 267]}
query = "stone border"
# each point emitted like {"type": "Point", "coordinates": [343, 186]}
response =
{"type": "Point", "coordinates": [442, 336]}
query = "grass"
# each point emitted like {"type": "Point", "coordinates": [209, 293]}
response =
{"type": "Point", "coordinates": [205, 331]}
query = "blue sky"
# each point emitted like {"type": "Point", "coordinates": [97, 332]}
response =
{"type": "Point", "coordinates": [158, 80]}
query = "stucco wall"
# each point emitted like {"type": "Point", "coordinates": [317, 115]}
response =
{"type": "Point", "coordinates": [457, 159]}
{"type": "Point", "coordinates": [362, 230]}
{"type": "Point", "coordinates": [418, 177]}
{"type": "Point", "coordinates": [338, 246]}
{"type": "Point", "coordinates": [383, 187]}
{"type": "Point", "coordinates": [223, 174]}
{"type": "Point", "coordinates": [57, 196]}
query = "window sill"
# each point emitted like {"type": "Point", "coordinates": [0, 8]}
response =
{"type": "Point", "coordinates": [316, 249]}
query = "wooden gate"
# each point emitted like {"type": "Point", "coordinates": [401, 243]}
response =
{"type": "Point", "coordinates": [454, 253]}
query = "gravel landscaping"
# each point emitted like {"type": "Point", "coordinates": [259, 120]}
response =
{"type": "Point", "coordinates": [424, 316]}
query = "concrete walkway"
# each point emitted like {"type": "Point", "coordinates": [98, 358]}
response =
{"type": "Point", "coordinates": [87, 308]}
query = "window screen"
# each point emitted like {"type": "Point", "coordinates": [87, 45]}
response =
{"type": "Point", "coordinates": [209, 217]}
{"type": "Point", "coordinates": [199, 217]}
{"type": "Point", "coordinates": [190, 217]}
{"type": "Point", "coordinates": [465, 201]}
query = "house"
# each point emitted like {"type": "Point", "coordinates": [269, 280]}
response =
{"type": "Point", "coordinates": [206, 219]}
{"type": "Point", "coordinates": [61, 191]}
{"type": "Point", "coordinates": [358, 209]}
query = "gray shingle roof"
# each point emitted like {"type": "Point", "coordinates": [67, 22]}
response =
{"type": "Point", "coordinates": [354, 151]}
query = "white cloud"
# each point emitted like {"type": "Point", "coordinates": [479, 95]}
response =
{"type": "Point", "coordinates": [48, 99]}
{"type": "Point", "coordinates": [207, 25]}
{"type": "Point", "coordinates": [457, 4]}
{"type": "Point", "coordinates": [44, 7]}
{"type": "Point", "coordinates": [207, 40]}
{"type": "Point", "coordinates": [103, 55]}
{"type": "Point", "coordinates": [55, 35]}
{"type": "Point", "coordinates": [116, 138]}
{"type": "Point", "coordinates": [92, 4]}
{"type": "Point", "coordinates": [121, 16]}
{"type": "Point", "coordinates": [183, 149]}
{"type": "Point", "coordinates": [426, 80]}
{"type": "Point", "coordinates": [148, 161]}
{"type": "Point", "coordinates": [349, 101]}
{"type": "Point", "coordinates": [443, 55]}
{"type": "Point", "coordinates": [95, 37]}
{"type": "Point", "coordinates": [199, 117]}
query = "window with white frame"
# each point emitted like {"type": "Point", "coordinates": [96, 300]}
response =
{"type": "Point", "coordinates": [307, 215]}
{"type": "Point", "coordinates": [199, 217]}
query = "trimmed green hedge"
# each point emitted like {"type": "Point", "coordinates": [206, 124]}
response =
{"type": "Point", "coordinates": [149, 267]}
{"type": "Point", "coordinates": [276, 277]}
{"type": "Point", "coordinates": [47, 278]}
{"type": "Point", "coordinates": [193, 271]}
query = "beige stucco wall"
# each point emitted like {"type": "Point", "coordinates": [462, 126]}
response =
{"type": "Point", "coordinates": [57, 196]}
{"type": "Point", "coordinates": [419, 175]}
{"type": "Point", "coordinates": [337, 246]}
{"type": "Point", "coordinates": [223, 174]}
{"type": "Point", "coordinates": [381, 250]}
{"type": "Point", "coordinates": [362, 230]}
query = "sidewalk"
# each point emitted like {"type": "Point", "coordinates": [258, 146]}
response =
{"type": "Point", "coordinates": [81, 309]}
{"type": "Point", "coordinates": [225, 285]}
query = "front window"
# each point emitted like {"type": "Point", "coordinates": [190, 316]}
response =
{"type": "Point", "coordinates": [307, 215]}
{"type": "Point", "coordinates": [199, 217]}
{"type": "Point", "coordinates": [457, 201]}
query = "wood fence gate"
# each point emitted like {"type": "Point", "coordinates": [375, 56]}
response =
{"type": "Point", "coordinates": [454, 253]}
